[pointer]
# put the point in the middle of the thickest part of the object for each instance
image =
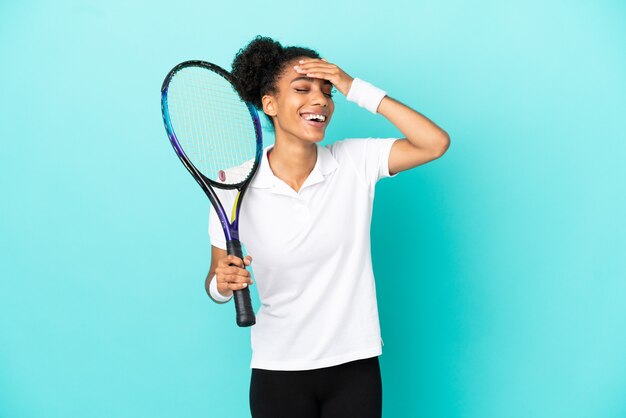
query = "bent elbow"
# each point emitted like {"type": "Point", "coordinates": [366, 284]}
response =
{"type": "Point", "coordinates": [444, 144]}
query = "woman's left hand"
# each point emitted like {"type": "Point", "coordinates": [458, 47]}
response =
{"type": "Point", "coordinates": [321, 68]}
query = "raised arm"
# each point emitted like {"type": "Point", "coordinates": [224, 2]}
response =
{"type": "Point", "coordinates": [424, 141]}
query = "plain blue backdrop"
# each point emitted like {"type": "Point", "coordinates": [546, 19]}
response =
{"type": "Point", "coordinates": [500, 267]}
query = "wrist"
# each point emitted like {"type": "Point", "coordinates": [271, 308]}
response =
{"type": "Point", "coordinates": [365, 95]}
{"type": "Point", "coordinates": [215, 294]}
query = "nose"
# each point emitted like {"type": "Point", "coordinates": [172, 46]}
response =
{"type": "Point", "coordinates": [319, 98]}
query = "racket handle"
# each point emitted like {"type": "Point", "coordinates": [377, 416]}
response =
{"type": "Point", "coordinates": [243, 303]}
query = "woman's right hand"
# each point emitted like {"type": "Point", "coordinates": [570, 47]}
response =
{"type": "Point", "coordinates": [231, 274]}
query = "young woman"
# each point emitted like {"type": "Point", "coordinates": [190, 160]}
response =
{"type": "Point", "coordinates": [306, 219]}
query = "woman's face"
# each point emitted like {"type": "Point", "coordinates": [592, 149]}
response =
{"type": "Point", "coordinates": [302, 106]}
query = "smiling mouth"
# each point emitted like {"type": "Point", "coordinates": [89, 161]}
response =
{"type": "Point", "coordinates": [314, 119]}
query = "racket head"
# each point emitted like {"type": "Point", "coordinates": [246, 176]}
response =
{"type": "Point", "coordinates": [201, 112]}
{"type": "Point", "coordinates": [215, 133]}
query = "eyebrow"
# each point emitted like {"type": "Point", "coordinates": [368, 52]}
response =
{"type": "Point", "coordinates": [309, 79]}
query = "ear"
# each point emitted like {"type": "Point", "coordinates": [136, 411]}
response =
{"type": "Point", "coordinates": [269, 105]}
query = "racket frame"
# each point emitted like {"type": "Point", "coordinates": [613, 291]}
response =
{"type": "Point", "coordinates": [230, 228]}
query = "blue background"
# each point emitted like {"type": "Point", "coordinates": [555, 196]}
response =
{"type": "Point", "coordinates": [500, 267]}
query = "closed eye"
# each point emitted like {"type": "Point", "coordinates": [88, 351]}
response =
{"type": "Point", "coordinates": [329, 95]}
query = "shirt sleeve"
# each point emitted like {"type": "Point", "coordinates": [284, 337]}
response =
{"type": "Point", "coordinates": [370, 157]}
{"type": "Point", "coordinates": [216, 233]}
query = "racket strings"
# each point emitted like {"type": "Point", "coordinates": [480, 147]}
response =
{"type": "Point", "coordinates": [212, 124]}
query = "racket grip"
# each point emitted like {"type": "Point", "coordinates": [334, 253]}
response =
{"type": "Point", "coordinates": [243, 303]}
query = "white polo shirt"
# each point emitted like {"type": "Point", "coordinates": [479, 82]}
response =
{"type": "Point", "coordinates": [312, 259]}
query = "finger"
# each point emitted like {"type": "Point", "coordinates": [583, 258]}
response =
{"type": "Point", "coordinates": [317, 70]}
{"type": "Point", "coordinates": [315, 65]}
{"type": "Point", "coordinates": [313, 60]}
{"type": "Point", "coordinates": [231, 260]}
{"type": "Point", "coordinates": [230, 282]}
{"type": "Point", "coordinates": [227, 275]}
{"type": "Point", "coordinates": [306, 60]}
{"type": "Point", "coordinates": [331, 71]}
{"type": "Point", "coordinates": [232, 286]}
{"type": "Point", "coordinates": [239, 286]}
{"type": "Point", "coordinates": [233, 274]}
{"type": "Point", "coordinates": [321, 75]}
{"type": "Point", "coordinates": [226, 261]}
{"type": "Point", "coordinates": [235, 278]}
{"type": "Point", "coordinates": [235, 271]}
{"type": "Point", "coordinates": [248, 260]}
{"type": "Point", "coordinates": [236, 261]}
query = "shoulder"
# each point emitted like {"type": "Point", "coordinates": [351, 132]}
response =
{"type": "Point", "coordinates": [348, 143]}
{"type": "Point", "coordinates": [360, 147]}
{"type": "Point", "coordinates": [347, 147]}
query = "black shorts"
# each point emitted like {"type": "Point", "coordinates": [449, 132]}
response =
{"type": "Point", "coordinates": [351, 389]}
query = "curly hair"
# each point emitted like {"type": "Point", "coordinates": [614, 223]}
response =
{"type": "Point", "coordinates": [256, 67]}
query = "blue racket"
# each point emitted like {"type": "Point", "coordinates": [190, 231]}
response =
{"type": "Point", "coordinates": [217, 136]}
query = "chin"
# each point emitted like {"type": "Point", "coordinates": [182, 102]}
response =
{"type": "Point", "coordinates": [317, 138]}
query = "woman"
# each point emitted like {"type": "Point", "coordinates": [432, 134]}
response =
{"type": "Point", "coordinates": [307, 219]}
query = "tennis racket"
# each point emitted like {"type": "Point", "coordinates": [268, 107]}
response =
{"type": "Point", "coordinates": [217, 137]}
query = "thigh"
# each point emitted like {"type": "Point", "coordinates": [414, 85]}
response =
{"type": "Point", "coordinates": [355, 391]}
{"type": "Point", "coordinates": [282, 394]}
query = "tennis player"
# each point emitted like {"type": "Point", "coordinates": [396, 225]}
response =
{"type": "Point", "coordinates": [306, 219]}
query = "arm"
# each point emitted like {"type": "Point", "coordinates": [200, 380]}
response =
{"type": "Point", "coordinates": [424, 141]}
{"type": "Point", "coordinates": [216, 255]}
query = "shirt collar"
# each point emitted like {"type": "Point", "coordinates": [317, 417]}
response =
{"type": "Point", "coordinates": [324, 165]}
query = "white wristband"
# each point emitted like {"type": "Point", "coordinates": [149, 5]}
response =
{"type": "Point", "coordinates": [215, 294]}
{"type": "Point", "coordinates": [365, 95]}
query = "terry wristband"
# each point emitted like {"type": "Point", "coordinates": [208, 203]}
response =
{"type": "Point", "coordinates": [215, 294]}
{"type": "Point", "coordinates": [365, 95]}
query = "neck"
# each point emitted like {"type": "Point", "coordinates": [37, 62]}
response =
{"type": "Point", "coordinates": [293, 162]}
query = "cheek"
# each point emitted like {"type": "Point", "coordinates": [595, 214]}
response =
{"type": "Point", "coordinates": [286, 105]}
{"type": "Point", "coordinates": [294, 104]}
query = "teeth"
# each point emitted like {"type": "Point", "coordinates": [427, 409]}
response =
{"type": "Point", "coordinates": [320, 118]}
